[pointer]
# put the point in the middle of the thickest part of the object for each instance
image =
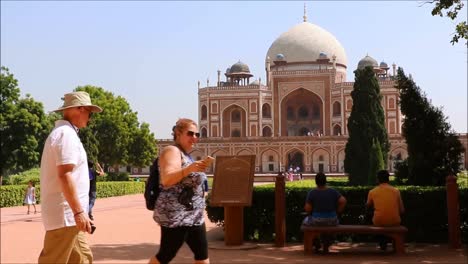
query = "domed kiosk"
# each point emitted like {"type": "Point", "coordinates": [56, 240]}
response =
{"type": "Point", "coordinates": [239, 74]}
{"type": "Point", "coordinates": [367, 61]}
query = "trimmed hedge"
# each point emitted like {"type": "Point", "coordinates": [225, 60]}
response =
{"type": "Point", "coordinates": [110, 189]}
{"type": "Point", "coordinates": [425, 216]}
{"type": "Point", "coordinates": [13, 195]}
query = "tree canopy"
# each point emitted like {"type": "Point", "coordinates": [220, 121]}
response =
{"type": "Point", "coordinates": [23, 127]}
{"type": "Point", "coordinates": [116, 133]}
{"type": "Point", "coordinates": [434, 150]}
{"type": "Point", "coordinates": [450, 8]}
{"type": "Point", "coordinates": [113, 137]}
{"type": "Point", "coordinates": [367, 147]}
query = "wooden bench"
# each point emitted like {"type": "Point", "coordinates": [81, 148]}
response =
{"type": "Point", "coordinates": [397, 233]}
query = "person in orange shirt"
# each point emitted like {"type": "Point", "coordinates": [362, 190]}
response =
{"type": "Point", "coordinates": [387, 204]}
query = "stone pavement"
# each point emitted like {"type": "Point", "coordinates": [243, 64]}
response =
{"type": "Point", "coordinates": [126, 233]}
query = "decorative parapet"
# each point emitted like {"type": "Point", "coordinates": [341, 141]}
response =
{"type": "Point", "coordinates": [233, 87]}
{"type": "Point", "coordinates": [308, 72]}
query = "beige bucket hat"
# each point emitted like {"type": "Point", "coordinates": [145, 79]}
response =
{"type": "Point", "coordinates": [77, 99]}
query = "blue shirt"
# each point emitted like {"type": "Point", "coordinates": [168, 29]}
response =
{"type": "Point", "coordinates": [324, 202]}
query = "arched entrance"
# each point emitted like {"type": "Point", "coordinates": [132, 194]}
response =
{"type": "Point", "coordinates": [234, 122]}
{"type": "Point", "coordinates": [301, 112]}
{"type": "Point", "coordinates": [295, 159]}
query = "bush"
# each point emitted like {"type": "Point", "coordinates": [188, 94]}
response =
{"type": "Point", "coordinates": [24, 177]}
{"type": "Point", "coordinates": [110, 189]}
{"type": "Point", "coordinates": [462, 179]}
{"type": "Point", "coordinates": [401, 171]}
{"type": "Point", "coordinates": [13, 195]}
{"type": "Point", "coordinates": [116, 176]}
{"type": "Point", "coordinates": [425, 217]}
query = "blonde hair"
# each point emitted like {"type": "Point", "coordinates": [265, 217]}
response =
{"type": "Point", "coordinates": [181, 125]}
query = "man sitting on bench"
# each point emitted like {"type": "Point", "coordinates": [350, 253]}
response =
{"type": "Point", "coordinates": [322, 205]}
{"type": "Point", "coordinates": [387, 204]}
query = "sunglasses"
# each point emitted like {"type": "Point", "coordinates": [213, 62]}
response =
{"type": "Point", "coordinates": [192, 134]}
{"type": "Point", "coordinates": [90, 114]}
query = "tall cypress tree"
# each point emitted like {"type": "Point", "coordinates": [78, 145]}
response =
{"type": "Point", "coordinates": [366, 125]}
{"type": "Point", "coordinates": [376, 162]}
{"type": "Point", "coordinates": [434, 150]}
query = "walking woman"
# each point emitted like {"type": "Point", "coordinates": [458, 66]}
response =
{"type": "Point", "coordinates": [180, 206]}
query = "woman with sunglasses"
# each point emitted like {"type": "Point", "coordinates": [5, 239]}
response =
{"type": "Point", "coordinates": [180, 206]}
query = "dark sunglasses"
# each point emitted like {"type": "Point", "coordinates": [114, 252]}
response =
{"type": "Point", "coordinates": [191, 134]}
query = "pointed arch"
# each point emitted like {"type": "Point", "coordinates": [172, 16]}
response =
{"type": "Point", "coordinates": [204, 133]}
{"type": "Point", "coordinates": [301, 109]}
{"type": "Point", "coordinates": [204, 112]}
{"type": "Point", "coordinates": [336, 108]}
{"type": "Point", "coordinates": [266, 131]}
{"type": "Point", "coordinates": [245, 152]}
{"type": "Point", "coordinates": [234, 121]}
{"type": "Point", "coordinates": [340, 160]}
{"type": "Point", "coordinates": [219, 152]}
{"type": "Point", "coordinates": [295, 158]}
{"type": "Point", "coordinates": [337, 130]}
{"type": "Point", "coordinates": [266, 110]}
{"type": "Point", "coordinates": [396, 156]}
{"type": "Point", "coordinates": [269, 160]}
{"type": "Point", "coordinates": [321, 160]}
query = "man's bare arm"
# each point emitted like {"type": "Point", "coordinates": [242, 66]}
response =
{"type": "Point", "coordinates": [69, 192]}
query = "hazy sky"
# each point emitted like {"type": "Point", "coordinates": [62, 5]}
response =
{"type": "Point", "coordinates": [153, 53]}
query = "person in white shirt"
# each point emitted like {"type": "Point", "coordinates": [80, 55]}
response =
{"type": "Point", "coordinates": [65, 185]}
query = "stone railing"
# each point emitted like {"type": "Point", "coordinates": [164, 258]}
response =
{"type": "Point", "coordinates": [234, 87]}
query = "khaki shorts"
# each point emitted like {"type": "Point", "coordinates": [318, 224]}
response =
{"type": "Point", "coordinates": [65, 245]}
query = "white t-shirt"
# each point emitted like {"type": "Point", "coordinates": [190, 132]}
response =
{"type": "Point", "coordinates": [63, 146]}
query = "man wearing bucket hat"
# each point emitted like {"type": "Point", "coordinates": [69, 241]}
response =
{"type": "Point", "coordinates": [65, 185]}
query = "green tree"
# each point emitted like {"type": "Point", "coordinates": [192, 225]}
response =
{"type": "Point", "coordinates": [142, 149]}
{"type": "Point", "coordinates": [120, 140]}
{"type": "Point", "coordinates": [450, 8]}
{"type": "Point", "coordinates": [90, 143]}
{"type": "Point", "coordinates": [434, 150]}
{"type": "Point", "coordinates": [376, 162]}
{"type": "Point", "coordinates": [366, 125]}
{"type": "Point", "coordinates": [24, 127]}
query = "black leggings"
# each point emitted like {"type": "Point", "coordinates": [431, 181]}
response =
{"type": "Point", "coordinates": [173, 238]}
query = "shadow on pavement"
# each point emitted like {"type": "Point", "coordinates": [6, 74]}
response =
{"type": "Point", "coordinates": [130, 252]}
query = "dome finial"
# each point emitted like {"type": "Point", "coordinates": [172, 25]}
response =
{"type": "Point", "coordinates": [305, 12]}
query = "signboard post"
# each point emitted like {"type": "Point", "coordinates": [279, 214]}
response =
{"type": "Point", "coordinates": [232, 189]}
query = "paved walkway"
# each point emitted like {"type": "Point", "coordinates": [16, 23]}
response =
{"type": "Point", "coordinates": [126, 233]}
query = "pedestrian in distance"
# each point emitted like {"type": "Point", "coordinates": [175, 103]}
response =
{"type": "Point", "coordinates": [65, 185]}
{"type": "Point", "coordinates": [30, 196]}
{"type": "Point", "coordinates": [94, 171]}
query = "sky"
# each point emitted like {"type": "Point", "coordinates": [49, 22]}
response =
{"type": "Point", "coordinates": [153, 53]}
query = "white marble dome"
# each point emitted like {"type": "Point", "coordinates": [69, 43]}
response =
{"type": "Point", "coordinates": [304, 42]}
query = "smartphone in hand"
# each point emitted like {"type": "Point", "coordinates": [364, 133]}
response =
{"type": "Point", "coordinates": [93, 228]}
{"type": "Point", "coordinates": [208, 160]}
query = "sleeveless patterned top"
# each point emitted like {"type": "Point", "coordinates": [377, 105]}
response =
{"type": "Point", "coordinates": [182, 204]}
